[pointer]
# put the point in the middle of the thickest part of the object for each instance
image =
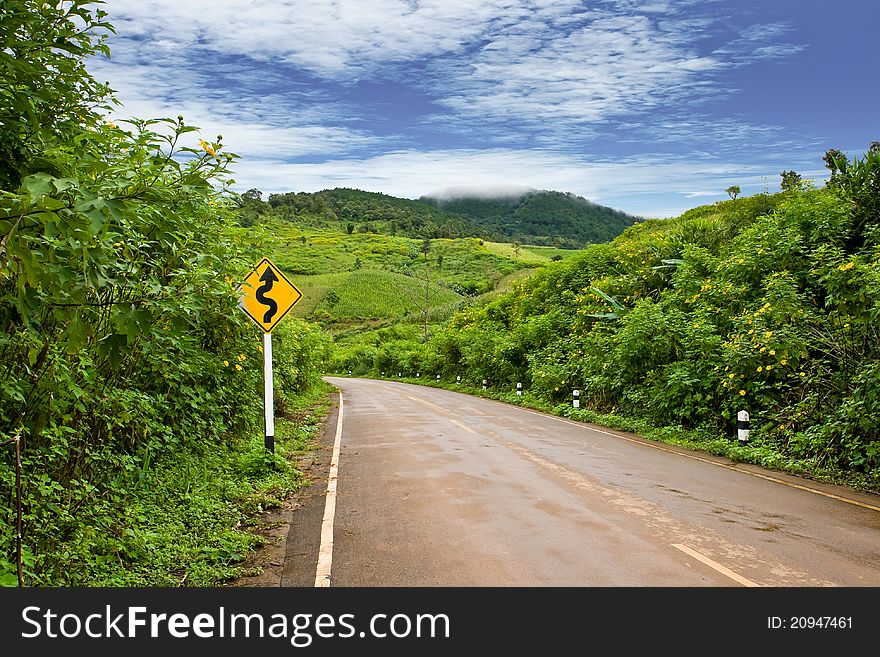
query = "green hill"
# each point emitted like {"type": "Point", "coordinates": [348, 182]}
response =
{"type": "Point", "coordinates": [542, 218]}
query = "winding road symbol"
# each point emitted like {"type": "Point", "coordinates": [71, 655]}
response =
{"type": "Point", "coordinates": [269, 278]}
{"type": "Point", "coordinates": [267, 311]}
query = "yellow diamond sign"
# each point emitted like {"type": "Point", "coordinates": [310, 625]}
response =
{"type": "Point", "coordinates": [267, 295]}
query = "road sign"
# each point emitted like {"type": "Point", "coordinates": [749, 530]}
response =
{"type": "Point", "coordinates": [267, 295]}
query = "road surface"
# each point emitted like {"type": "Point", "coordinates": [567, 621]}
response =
{"type": "Point", "coordinates": [438, 488]}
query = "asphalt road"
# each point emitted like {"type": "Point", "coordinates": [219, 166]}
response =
{"type": "Point", "coordinates": [437, 488]}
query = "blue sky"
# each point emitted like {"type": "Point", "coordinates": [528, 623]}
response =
{"type": "Point", "coordinates": [650, 107]}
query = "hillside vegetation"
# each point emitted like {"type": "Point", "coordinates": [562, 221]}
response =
{"type": "Point", "coordinates": [768, 304]}
{"type": "Point", "coordinates": [543, 218]}
{"type": "Point", "coordinates": [368, 288]}
{"type": "Point", "coordinates": [128, 377]}
{"type": "Point", "coordinates": [546, 218]}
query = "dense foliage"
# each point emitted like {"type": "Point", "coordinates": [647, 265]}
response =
{"type": "Point", "coordinates": [546, 218]}
{"type": "Point", "coordinates": [767, 303]}
{"type": "Point", "coordinates": [540, 218]}
{"type": "Point", "coordinates": [127, 370]}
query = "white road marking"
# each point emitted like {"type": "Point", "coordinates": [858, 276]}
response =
{"type": "Point", "coordinates": [325, 552]}
{"type": "Point", "coordinates": [715, 565]}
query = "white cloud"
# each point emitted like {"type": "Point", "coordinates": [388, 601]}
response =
{"type": "Point", "coordinates": [556, 63]}
{"type": "Point", "coordinates": [279, 79]}
{"type": "Point", "coordinates": [328, 37]}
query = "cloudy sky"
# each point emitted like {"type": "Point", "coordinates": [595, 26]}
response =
{"type": "Point", "coordinates": [651, 107]}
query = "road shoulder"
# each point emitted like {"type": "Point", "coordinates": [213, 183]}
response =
{"type": "Point", "coordinates": [293, 532]}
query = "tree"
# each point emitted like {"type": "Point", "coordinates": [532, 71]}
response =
{"type": "Point", "coordinates": [46, 93]}
{"type": "Point", "coordinates": [857, 181]}
{"type": "Point", "coordinates": [791, 180]}
{"type": "Point", "coordinates": [116, 288]}
{"type": "Point", "coordinates": [350, 228]}
{"type": "Point", "coordinates": [252, 195]}
{"type": "Point", "coordinates": [733, 191]}
{"type": "Point", "coordinates": [516, 247]}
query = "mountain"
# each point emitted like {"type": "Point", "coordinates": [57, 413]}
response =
{"type": "Point", "coordinates": [546, 218]}
{"type": "Point", "coordinates": [541, 217]}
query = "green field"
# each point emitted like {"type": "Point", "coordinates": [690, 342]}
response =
{"type": "Point", "coordinates": [528, 253]}
{"type": "Point", "coordinates": [370, 293]}
{"type": "Point", "coordinates": [367, 288]}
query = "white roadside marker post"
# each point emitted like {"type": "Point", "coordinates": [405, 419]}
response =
{"type": "Point", "coordinates": [485, 383]}
{"type": "Point", "coordinates": [576, 398]}
{"type": "Point", "coordinates": [519, 388]}
{"type": "Point", "coordinates": [742, 427]}
{"type": "Point", "coordinates": [268, 394]}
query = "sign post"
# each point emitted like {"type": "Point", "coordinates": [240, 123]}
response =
{"type": "Point", "coordinates": [267, 312]}
{"type": "Point", "coordinates": [268, 393]}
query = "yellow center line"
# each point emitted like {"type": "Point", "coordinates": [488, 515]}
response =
{"type": "Point", "coordinates": [459, 424]}
{"type": "Point", "coordinates": [759, 475]}
{"type": "Point", "coordinates": [442, 410]}
{"type": "Point", "coordinates": [715, 565]}
{"type": "Point", "coordinates": [704, 460]}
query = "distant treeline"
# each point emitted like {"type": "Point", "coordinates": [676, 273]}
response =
{"type": "Point", "coordinates": [540, 218]}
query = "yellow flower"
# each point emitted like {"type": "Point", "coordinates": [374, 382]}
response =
{"type": "Point", "coordinates": [760, 369]}
{"type": "Point", "coordinates": [784, 362]}
{"type": "Point", "coordinates": [769, 367]}
{"type": "Point", "coordinates": [241, 357]}
{"type": "Point", "coordinates": [260, 347]}
{"type": "Point", "coordinates": [237, 366]}
{"type": "Point", "coordinates": [802, 374]}
{"type": "Point", "coordinates": [772, 352]}
{"type": "Point", "coordinates": [225, 363]}
{"type": "Point", "coordinates": [732, 375]}
{"type": "Point", "coordinates": [742, 393]}
{"type": "Point", "coordinates": [207, 147]}
{"type": "Point", "coordinates": [847, 266]}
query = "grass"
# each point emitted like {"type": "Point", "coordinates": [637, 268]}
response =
{"type": "Point", "coordinates": [367, 289]}
{"type": "Point", "coordinates": [189, 523]}
{"type": "Point", "coordinates": [371, 293]}
{"type": "Point", "coordinates": [376, 278]}
{"type": "Point", "coordinates": [528, 253]}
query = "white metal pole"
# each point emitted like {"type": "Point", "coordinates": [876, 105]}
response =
{"type": "Point", "coordinates": [268, 397]}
